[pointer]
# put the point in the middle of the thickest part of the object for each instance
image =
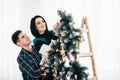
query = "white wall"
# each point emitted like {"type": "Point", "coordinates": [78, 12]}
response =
{"type": "Point", "coordinates": [103, 16]}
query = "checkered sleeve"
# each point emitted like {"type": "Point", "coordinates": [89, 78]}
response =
{"type": "Point", "coordinates": [29, 67]}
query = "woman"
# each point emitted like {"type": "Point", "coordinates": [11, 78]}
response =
{"type": "Point", "coordinates": [43, 37]}
{"type": "Point", "coordinates": [41, 33]}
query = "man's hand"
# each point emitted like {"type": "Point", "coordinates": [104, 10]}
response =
{"type": "Point", "coordinates": [44, 75]}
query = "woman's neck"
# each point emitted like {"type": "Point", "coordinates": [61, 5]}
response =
{"type": "Point", "coordinates": [41, 33]}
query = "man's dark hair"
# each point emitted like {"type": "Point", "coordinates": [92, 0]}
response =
{"type": "Point", "coordinates": [15, 36]}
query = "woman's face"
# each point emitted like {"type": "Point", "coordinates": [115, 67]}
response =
{"type": "Point", "coordinates": [40, 25]}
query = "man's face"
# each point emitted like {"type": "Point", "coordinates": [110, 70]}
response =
{"type": "Point", "coordinates": [23, 40]}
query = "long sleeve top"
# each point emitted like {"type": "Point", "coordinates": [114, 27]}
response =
{"type": "Point", "coordinates": [29, 64]}
{"type": "Point", "coordinates": [44, 39]}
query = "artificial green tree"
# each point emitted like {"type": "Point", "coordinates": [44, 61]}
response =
{"type": "Point", "coordinates": [62, 61]}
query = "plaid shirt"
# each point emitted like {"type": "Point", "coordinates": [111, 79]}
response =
{"type": "Point", "coordinates": [29, 64]}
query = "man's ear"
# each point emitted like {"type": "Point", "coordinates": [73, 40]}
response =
{"type": "Point", "coordinates": [18, 43]}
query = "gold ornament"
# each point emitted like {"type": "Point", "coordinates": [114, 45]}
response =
{"type": "Point", "coordinates": [62, 52]}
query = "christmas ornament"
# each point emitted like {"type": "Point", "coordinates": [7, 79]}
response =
{"type": "Point", "coordinates": [62, 52]}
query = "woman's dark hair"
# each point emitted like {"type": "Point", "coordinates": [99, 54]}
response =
{"type": "Point", "coordinates": [33, 29]}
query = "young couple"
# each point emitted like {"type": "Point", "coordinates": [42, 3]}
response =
{"type": "Point", "coordinates": [29, 58]}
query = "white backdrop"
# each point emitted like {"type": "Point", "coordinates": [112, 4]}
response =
{"type": "Point", "coordinates": [103, 17]}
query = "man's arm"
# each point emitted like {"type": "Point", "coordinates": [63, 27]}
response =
{"type": "Point", "coordinates": [29, 68]}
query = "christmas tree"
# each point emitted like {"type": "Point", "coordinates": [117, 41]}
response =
{"type": "Point", "coordinates": [62, 63]}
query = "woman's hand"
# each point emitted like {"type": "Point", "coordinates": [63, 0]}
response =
{"type": "Point", "coordinates": [55, 28]}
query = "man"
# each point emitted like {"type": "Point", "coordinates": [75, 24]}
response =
{"type": "Point", "coordinates": [28, 58]}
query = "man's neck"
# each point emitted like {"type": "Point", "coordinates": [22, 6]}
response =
{"type": "Point", "coordinates": [28, 48]}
